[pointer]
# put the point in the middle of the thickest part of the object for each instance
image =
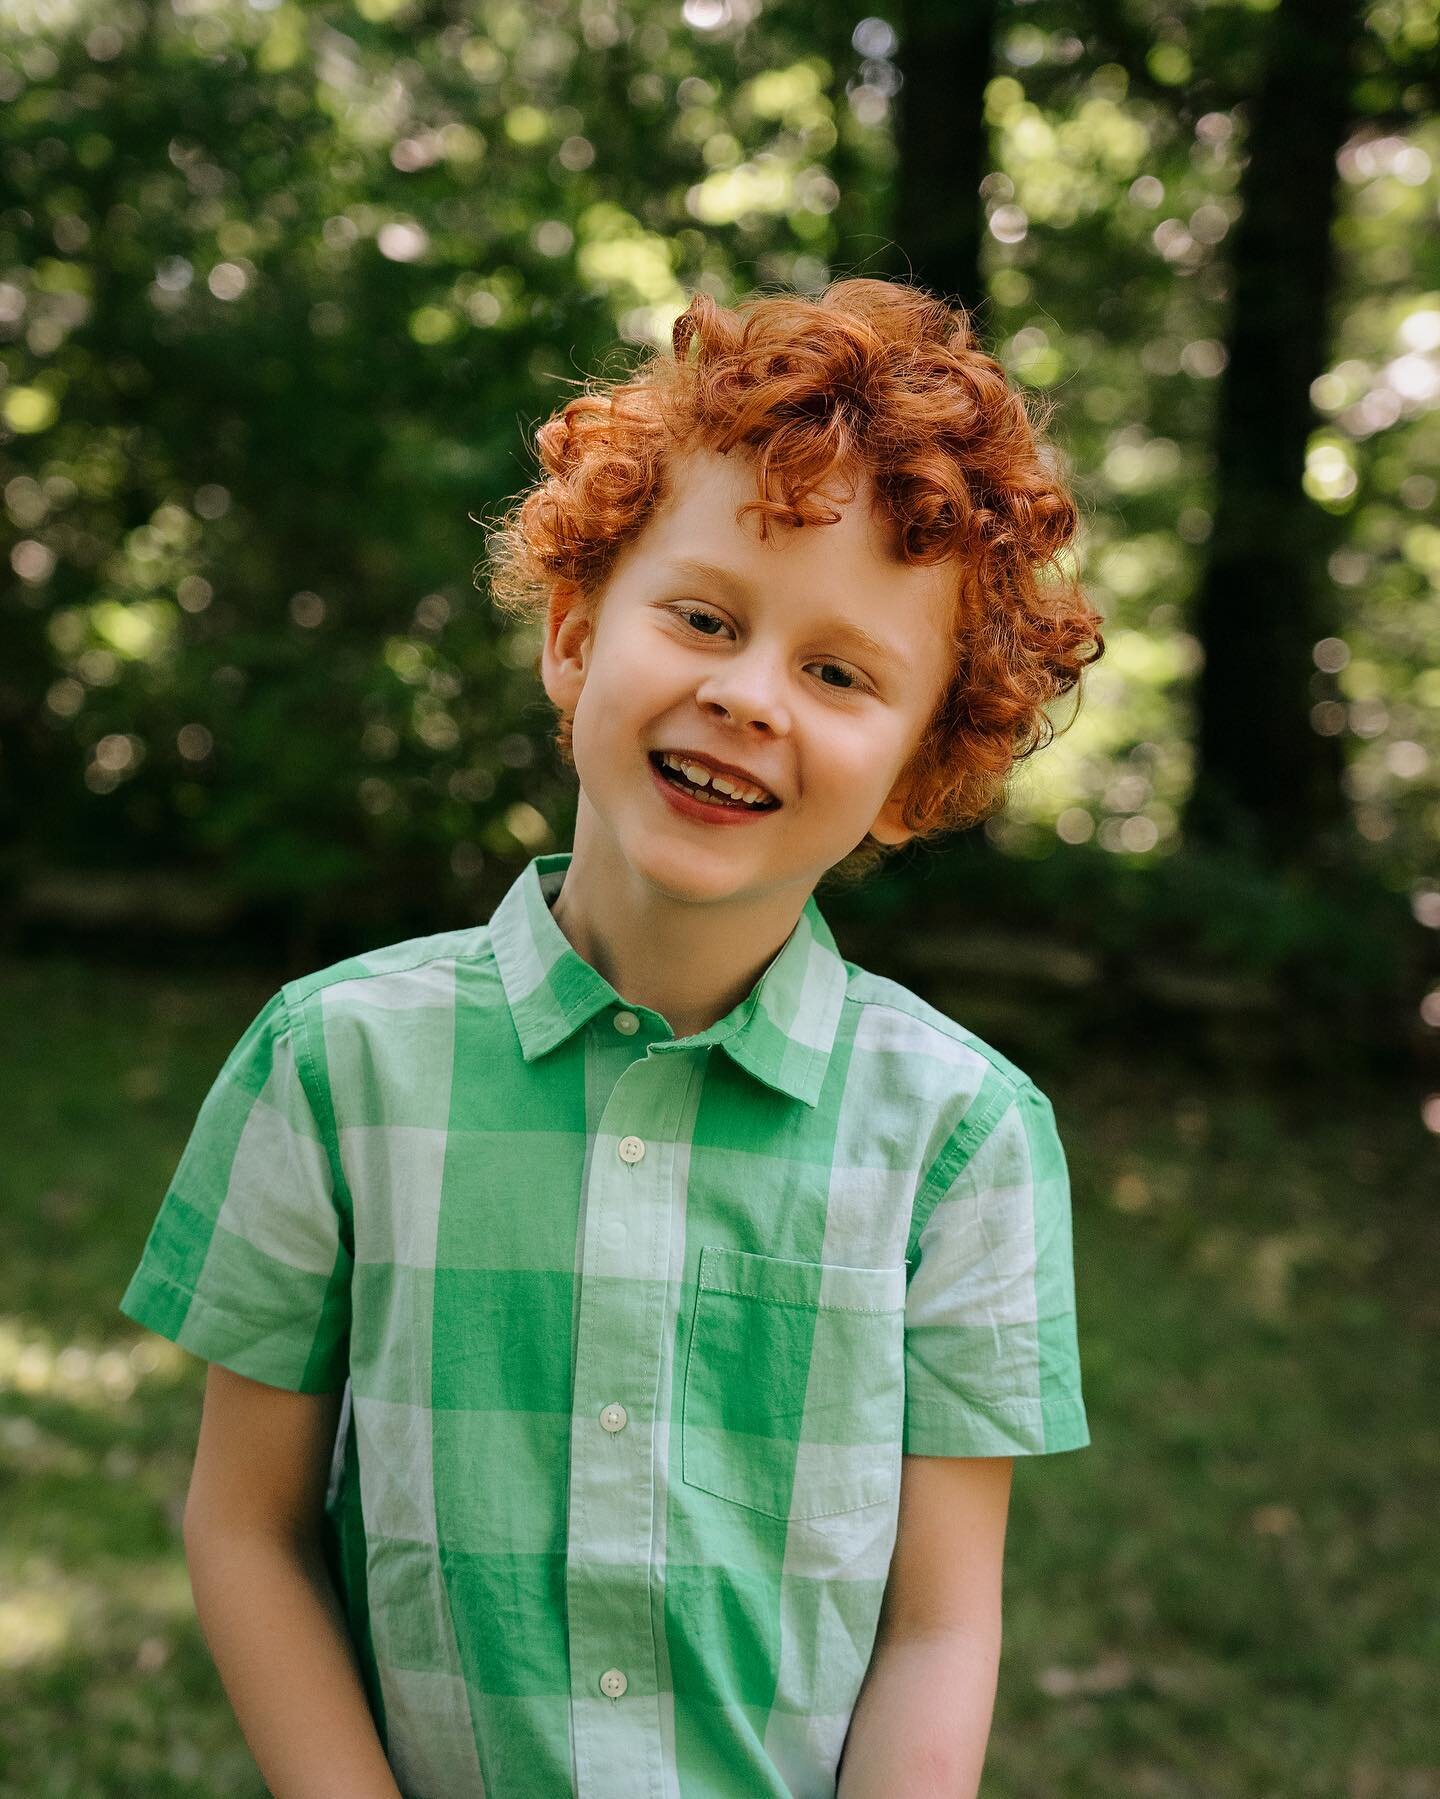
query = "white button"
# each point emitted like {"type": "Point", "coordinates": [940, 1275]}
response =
{"type": "Point", "coordinates": [613, 1683]}
{"type": "Point", "coordinates": [627, 1023]}
{"type": "Point", "coordinates": [614, 1417]}
{"type": "Point", "coordinates": [631, 1149]}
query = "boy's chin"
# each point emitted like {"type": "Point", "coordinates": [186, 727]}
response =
{"type": "Point", "coordinates": [713, 868]}
{"type": "Point", "coordinates": [720, 870]}
{"type": "Point", "coordinates": [703, 873]}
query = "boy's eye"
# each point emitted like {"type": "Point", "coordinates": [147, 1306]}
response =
{"type": "Point", "coordinates": [690, 612]}
{"type": "Point", "coordinates": [851, 684]}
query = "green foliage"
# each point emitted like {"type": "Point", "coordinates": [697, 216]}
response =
{"type": "Point", "coordinates": [1223, 962]}
{"type": "Point", "coordinates": [1214, 908]}
{"type": "Point", "coordinates": [286, 289]}
{"type": "Point", "coordinates": [283, 290]}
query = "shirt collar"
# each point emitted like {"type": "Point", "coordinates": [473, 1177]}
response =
{"type": "Point", "coordinates": [782, 1032]}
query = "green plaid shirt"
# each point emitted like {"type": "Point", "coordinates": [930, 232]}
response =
{"type": "Point", "coordinates": [633, 1330]}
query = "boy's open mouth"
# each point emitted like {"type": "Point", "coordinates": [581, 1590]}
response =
{"type": "Point", "coordinates": [678, 779]}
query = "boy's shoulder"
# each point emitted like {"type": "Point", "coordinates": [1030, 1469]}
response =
{"type": "Point", "coordinates": [394, 970]}
{"type": "Point", "coordinates": [932, 1035]}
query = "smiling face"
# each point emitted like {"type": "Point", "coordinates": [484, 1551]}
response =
{"type": "Point", "coordinates": [812, 661]}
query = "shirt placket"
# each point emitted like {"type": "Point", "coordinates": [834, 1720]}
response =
{"type": "Point", "coordinates": [629, 1214]}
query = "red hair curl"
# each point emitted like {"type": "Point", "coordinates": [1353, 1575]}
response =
{"type": "Point", "coordinates": [870, 375]}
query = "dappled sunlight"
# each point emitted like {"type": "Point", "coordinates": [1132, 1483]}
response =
{"type": "Point", "coordinates": [33, 1363]}
{"type": "Point", "coordinates": [47, 1613]}
{"type": "Point", "coordinates": [40, 1623]}
{"type": "Point", "coordinates": [471, 190]}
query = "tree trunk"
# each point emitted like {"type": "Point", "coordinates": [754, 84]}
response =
{"type": "Point", "coordinates": [1266, 782]}
{"type": "Point", "coordinates": [943, 145]}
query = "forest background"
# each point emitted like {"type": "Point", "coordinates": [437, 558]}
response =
{"type": "Point", "coordinates": [284, 290]}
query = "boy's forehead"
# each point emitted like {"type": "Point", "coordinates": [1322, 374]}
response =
{"type": "Point", "coordinates": [853, 562]}
{"type": "Point", "coordinates": [707, 486]}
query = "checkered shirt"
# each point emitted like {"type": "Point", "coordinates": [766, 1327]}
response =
{"type": "Point", "coordinates": [632, 1331]}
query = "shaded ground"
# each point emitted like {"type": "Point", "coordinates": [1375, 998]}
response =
{"type": "Point", "coordinates": [1232, 1592]}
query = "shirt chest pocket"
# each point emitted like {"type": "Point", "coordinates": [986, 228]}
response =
{"type": "Point", "coordinates": [794, 1384]}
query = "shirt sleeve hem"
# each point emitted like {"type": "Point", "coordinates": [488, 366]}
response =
{"type": "Point", "coordinates": [1020, 1427]}
{"type": "Point", "coordinates": [210, 1332]}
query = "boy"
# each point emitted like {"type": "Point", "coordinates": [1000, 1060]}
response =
{"type": "Point", "coordinates": [623, 1316]}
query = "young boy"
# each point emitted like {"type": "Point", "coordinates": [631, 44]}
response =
{"type": "Point", "coordinates": [623, 1316]}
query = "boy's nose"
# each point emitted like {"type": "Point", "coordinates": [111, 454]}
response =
{"type": "Point", "coordinates": [748, 696]}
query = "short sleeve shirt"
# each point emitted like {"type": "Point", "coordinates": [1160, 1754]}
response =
{"type": "Point", "coordinates": [632, 1331]}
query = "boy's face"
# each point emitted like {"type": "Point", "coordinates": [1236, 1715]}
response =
{"type": "Point", "coordinates": [755, 667]}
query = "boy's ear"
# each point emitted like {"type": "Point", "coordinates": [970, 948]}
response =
{"type": "Point", "coordinates": [889, 826]}
{"type": "Point", "coordinates": [566, 650]}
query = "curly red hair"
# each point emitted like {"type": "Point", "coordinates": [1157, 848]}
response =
{"type": "Point", "coordinates": [871, 375]}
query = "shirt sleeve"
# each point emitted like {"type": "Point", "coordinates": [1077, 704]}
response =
{"type": "Point", "coordinates": [248, 1261]}
{"type": "Point", "coordinates": [992, 1364]}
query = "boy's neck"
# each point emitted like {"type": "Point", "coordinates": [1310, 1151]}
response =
{"type": "Point", "coordinates": [690, 963]}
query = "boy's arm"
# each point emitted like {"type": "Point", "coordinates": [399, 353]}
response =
{"type": "Point", "coordinates": [265, 1601]}
{"type": "Point", "coordinates": [922, 1720]}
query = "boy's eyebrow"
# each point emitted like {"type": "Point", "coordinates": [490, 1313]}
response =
{"type": "Point", "coordinates": [736, 586]}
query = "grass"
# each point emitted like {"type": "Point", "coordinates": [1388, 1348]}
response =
{"type": "Point", "coordinates": [1231, 1594]}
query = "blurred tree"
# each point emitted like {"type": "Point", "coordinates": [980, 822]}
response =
{"type": "Point", "coordinates": [943, 144]}
{"type": "Point", "coordinates": [284, 288]}
{"type": "Point", "coordinates": [1265, 780]}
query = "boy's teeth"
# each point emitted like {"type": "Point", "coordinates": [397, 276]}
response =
{"type": "Point", "coordinates": [702, 776]}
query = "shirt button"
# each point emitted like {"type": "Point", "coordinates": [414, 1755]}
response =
{"type": "Point", "coordinates": [613, 1683]}
{"type": "Point", "coordinates": [631, 1149]}
{"type": "Point", "coordinates": [627, 1023]}
{"type": "Point", "coordinates": [614, 1417]}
